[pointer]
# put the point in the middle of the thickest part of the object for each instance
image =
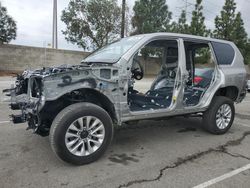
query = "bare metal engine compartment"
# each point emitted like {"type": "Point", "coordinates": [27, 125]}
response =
{"type": "Point", "coordinates": [43, 93]}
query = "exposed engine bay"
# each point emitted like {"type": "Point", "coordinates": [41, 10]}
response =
{"type": "Point", "coordinates": [42, 93]}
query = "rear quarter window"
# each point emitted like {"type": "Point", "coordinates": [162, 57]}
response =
{"type": "Point", "coordinates": [224, 53]}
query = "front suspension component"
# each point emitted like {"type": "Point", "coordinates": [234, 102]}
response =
{"type": "Point", "coordinates": [18, 118]}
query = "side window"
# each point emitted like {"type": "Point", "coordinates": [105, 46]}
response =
{"type": "Point", "coordinates": [224, 53]}
{"type": "Point", "coordinates": [203, 57]}
{"type": "Point", "coordinates": [152, 58]}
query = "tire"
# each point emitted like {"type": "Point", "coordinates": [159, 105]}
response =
{"type": "Point", "coordinates": [73, 120]}
{"type": "Point", "coordinates": [213, 119]}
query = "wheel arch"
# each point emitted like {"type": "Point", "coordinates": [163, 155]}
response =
{"type": "Point", "coordinates": [53, 107]}
{"type": "Point", "coordinates": [230, 92]}
{"type": "Point", "coordinates": [101, 100]}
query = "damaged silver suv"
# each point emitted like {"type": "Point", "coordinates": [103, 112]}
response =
{"type": "Point", "coordinates": [150, 76]}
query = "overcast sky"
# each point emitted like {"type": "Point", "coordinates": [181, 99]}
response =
{"type": "Point", "coordinates": [34, 18]}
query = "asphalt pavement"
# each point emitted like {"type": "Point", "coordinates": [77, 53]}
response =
{"type": "Point", "coordinates": [168, 153]}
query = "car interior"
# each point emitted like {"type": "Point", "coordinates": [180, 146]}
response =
{"type": "Point", "coordinates": [159, 94]}
{"type": "Point", "coordinates": [165, 53]}
{"type": "Point", "coordinates": [200, 66]}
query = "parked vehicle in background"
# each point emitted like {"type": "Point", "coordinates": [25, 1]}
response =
{"type": "Point", "coordinates": [203, 76]}
{"type": "Point", "coordinates": [78, 106]}
{"type": "Point", "coordinates": [248, 85]}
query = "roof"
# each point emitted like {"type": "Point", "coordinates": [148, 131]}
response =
{"type": "Point", "coordinates": [178, 35]}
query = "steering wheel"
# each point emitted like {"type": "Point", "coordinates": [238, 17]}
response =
{"type": "Point", "coordinates": [137, 70]}
{"type": "Point", "coordinates": [171, 73]}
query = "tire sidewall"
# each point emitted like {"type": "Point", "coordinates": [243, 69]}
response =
{"type": "Point", "coordinates": [210, 116]}
{"type": "Point", "coordinates": [68, 116]}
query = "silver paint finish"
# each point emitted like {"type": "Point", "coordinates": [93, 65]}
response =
{"type": "Point", "coordinates": [116, 88]}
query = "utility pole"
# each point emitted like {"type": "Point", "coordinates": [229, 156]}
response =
{"type": "Point", "coordinates": [123, 18]}
{"type": "Point", "coordinates": [54, 29]}
{"type": "Point", "coordinates": [186, 5]}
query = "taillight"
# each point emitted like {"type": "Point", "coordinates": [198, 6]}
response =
{"type": "Point", "coordinates": [197, 79]}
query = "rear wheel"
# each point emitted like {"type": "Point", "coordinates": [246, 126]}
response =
{"type": "Point", "coordinates": [81, 133]}
{"type": "Point", "coordinates": [220, 116]}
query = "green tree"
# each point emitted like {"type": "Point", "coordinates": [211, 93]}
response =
{"type": "Point", "coordinates": [239, 35]}
{"type": "Point", "coordinates": [247, 55]}
{"type": "Point", "coordinates": [224, 24]}
{"type": "Point", "coordinates": [197, 26]}
{"type": "Point", "coordinates": [7, 26]}
{"type": "Point", "coordinates": [93, 23]}
{"type": "Point", "coordinates": [181, 26]}
{"type": "Point", "coordinates": [151, 16]}
{"type": "Point", "coordinates": [230, 26]}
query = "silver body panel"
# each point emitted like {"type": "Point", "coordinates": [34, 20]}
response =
{"type": "Point", "coordinates": [115, 88]}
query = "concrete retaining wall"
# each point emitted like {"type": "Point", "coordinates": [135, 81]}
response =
{"type": "Point", "coordinates": [17, 58]}
{"type": "Point", "coordinates": [151, 66]}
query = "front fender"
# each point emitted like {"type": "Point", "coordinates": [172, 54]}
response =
{"type": "Point", "coordinates": [58, 85]}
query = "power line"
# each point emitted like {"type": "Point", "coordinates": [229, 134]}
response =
{"type": "Point", "coordinates": [188, 4]}
{"type": "Point", "coordinates": [206, 10]}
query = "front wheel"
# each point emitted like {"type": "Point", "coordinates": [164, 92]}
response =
{"type": "Point", "coordinates": [81, 133]}
{"type": "Point", "coordinates": [220, 116]}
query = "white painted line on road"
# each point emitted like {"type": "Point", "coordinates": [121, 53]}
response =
{"type": "Point", "coordinates": [1, 122]}
{"type": "Point", "coordinates": [223, 177]}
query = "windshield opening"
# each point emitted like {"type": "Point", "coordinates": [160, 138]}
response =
{"type": "Point", "coordinates": [111, 53]}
